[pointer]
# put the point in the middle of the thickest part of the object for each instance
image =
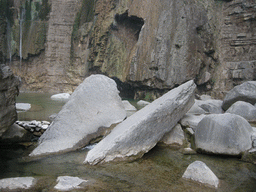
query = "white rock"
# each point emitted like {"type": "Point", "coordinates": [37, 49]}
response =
{"type": "Point", "coordinates": [190, 131]}
{"type": "Point", "coordinates": [44, 126]}
{"type": "Point", "coordinates": [244, 109]}
{"type": "Point", "coordinates": [23, 106]}
{"type": "Point", "coordinates": [175, 136]}
{"type": "Point", "coordinates": [205, 97]}
{"type": "Point", "coordinates": [226, 134]}
{"type": "Point", "coordinates": [17, 183]}
{"type": "Point", "coordinates": [191, 121]}
{"type": "Point", "coordinates": [140, 132]}
{"type": "Point", "coordinates": [67, 183]}
{"type": "Point", "coordinates": [128, 106]}
{"type": "Point", "coordinates": [244, 92]}
{"type": "Point", "coordinates": [61, 97]}
{"type": "Point", "coordinates": [93, 107]}
{"type": "Point", "coordinates": [198, 171]}
{"type": "Point", "coordinates": [142, 103]}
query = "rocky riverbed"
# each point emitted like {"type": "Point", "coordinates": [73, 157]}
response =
{"type": "Point", "coordinates": [204, 127]}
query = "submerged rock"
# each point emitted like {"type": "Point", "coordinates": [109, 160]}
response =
{"type": "Point", "coordinates": [244, 109]}
{"type": "Point", "coordinates": [225, 134]}
{"type": "Point", "coordinates": [23, 106]}
{"type": "Point", "coordinates": [61, 97]}
{"type": "Point", "coordinates": [17, 183]}
{"type": "Point", "coordinates": [244, 92]}
{"type": "Point", "coordinates": [94, 106]}
{"type": "Point", "coordinates": [140, 132]}
{"type": "Point", "coordinates": [67, 183]}
{"type": "Point", "coordinates": [198, 171]}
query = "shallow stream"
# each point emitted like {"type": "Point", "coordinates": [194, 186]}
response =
{"type": "Point", "coordinates": [159, 170]}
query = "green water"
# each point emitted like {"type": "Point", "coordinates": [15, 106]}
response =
{"type": "Point", "coordinates": [159, 170]}
{"type": "Point", "coordinates": [41, 106]}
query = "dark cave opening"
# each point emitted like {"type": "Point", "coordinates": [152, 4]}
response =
{"type": "Point", "coordinates": [132, 23]}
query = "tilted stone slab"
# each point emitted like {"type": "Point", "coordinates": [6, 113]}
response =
{"type": "Point", "coordinates": [244, 92]}
{"type": "Point", "coordinates": [93, 106]}
{"type": "Point", "coordinates": [140, 132]}
{"type": "Point", "coordinates": [225, 134]}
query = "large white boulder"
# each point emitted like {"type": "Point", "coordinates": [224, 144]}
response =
{"type": "Point", "coordinates": [199, 172]}
{"type": "Point", "coordinates": [244, 109]}
{"type": "Point", "coordinates": [17, 183]}
{"type": "Point", "coordinates": [226, 134]}
{"type": "Point", "coordinates": [140, 132]}
{"type": "Point", "coordinates": [94, 106]}
{"type": "Point", "coordinates": [244, 92]}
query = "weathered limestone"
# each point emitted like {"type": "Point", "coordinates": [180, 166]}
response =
{"type": "Point", "coordinates": [244, 109]}
{"type": "Point", "coordinates": [8, 92]}
{"type": "Point", "coordinates": [94, 106]}
{"type": "Point", "coordinates": [225, 134]}
{"type": "Point", "coordinates": [67, 183]}
{"type": "Point", "coordinates": [16, 134]}
{"type": "Point", "coordinates": [174, 137]}
{"type": "Point", "coordinates": [198, 171]}
{"type": "Point", "coordinates": [244, 92]}
{"type": "Point", "coordinates": [190, 120]}
{"type": "Point", "coordinates": [140, 132]}
{"type": "Point", "coordinates": [17, 183]}
{"type": "Point", "coordinates": [206, 106]}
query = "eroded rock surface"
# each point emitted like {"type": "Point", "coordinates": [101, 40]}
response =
{"type": "Point", "coordinates": [93, 106]}
{"type": "Point", "coordinates": [225, 134]}
{"type": "Point", "coordinates": [140, 132]}
{"type": "Point", "coordinates": [244, 109]}
{"type": "Point", "coordinates": [244, 92]}
{"type": "Point", "coordinates": [8, 92]}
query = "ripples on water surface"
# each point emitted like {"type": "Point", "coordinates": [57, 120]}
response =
{"type": "Point", "coordinates": [159, 170]}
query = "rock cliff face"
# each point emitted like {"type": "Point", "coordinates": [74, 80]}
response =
{"type": "Point", "coordinates": [8, 92]}
{"type": "Point", "coordinates": [152, 45]}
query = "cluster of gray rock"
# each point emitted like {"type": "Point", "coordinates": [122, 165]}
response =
{"type": "Point", "coordinates": [35, 127]}
{"type": "Point", "coordinates": [95, 110]}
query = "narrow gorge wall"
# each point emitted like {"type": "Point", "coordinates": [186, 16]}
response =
{"type": "Point", "coordinates": [151, 45]}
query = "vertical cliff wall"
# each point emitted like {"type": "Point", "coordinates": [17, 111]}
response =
{"type": "Point", "coordinates": [151, 45]}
